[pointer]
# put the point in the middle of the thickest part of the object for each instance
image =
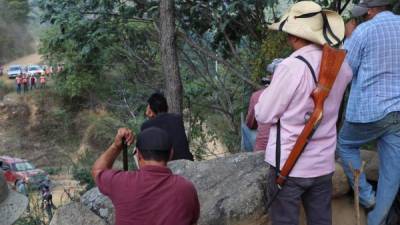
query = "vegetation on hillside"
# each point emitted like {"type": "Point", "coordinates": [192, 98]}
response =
{"type": "Point", "coordinates": [15, 38]}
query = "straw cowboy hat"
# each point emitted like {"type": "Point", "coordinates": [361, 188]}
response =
{"type": "Point", "coordinates": [307, 20]}
{"type": "Point", "coordinates": [12, 204]}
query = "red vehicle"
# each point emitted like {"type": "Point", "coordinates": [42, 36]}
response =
{"type": "Point", "coordinates": [15, 168]}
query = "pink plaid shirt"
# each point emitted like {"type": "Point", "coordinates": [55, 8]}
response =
{"type": "Point", "coordinates": [288, 99]}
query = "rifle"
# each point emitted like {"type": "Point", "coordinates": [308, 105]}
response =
{"type": "Point", "coordinates": [331, 62]}
{"type": "Point", "coordinates": [125, 154]}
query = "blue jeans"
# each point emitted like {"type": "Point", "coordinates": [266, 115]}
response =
{"type": "Point", "coordinates": [248, 138]}
{"type": "Point", "coordinates": [387, 133]}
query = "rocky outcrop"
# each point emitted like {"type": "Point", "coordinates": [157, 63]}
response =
{"type": "Point", "coordinates": [75, 214]}
{"type": "Point", "coordinates": [231, 189]}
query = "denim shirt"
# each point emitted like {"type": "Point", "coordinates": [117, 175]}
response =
{"type": "Point", "coordinates": [374, 56]}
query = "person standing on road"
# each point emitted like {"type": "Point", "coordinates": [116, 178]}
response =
{"type": "Point", "coordinates": [287, 103]}
{"type": "Point", "coordinates": [373, 109]}
{"type": "Point", "coordinates": [152, 195]}
{"type": "Point", "coordinates": [25, 82]}
{"type": "Point", "coordinates": [42, 80]}
{"type": "Point", "coordinates": [33, 82]}
{"type": "Point", "coordinates": [18, 81]}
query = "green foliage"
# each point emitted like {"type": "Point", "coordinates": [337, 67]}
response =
{"type": "Point", "coordinates": [15, 39]}
{"type": "Point", "coordinates": [4, 88]}
{"type": "Point", "coordinates": [52, 170]}
{"type": "Point", "coordinates": [36, 215]}
{"type": "Point", "coordinates": [82, 170]}
{"type": "Point", "coordinates": [111, 54]}
{"type": "Point", "coordinates": [103, 129]}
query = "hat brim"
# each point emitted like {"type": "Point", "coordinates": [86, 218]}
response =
{"type": "Point", "coordinates": [300, 29]}
{"type": "Point", "coordinates": [359, 10]}
{"type": "Point", "coordinates": [12, 207]}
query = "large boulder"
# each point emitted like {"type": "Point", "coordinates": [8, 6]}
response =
{"type": "Point", "coordinates": [77, 214]}
{"type": "Point", "coordinates": [231, 189]}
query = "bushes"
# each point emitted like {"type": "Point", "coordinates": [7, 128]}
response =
{"type": "Point", "coordinates": [82, 170]}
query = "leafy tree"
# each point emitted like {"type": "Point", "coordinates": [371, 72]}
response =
{"type": "Point", "coordinates": [111, 51]}
{"type": "Point", "coordinates": [15, 39]}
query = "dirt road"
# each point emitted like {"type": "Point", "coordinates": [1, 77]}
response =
{"type": "Point", "coordinates": [23, 61]}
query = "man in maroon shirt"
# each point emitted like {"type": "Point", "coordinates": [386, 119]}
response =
{"type": "Point", "coordinates": [152, 195]}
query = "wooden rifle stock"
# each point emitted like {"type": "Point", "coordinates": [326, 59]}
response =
{"type": "Point", "coordinates": [331, 63]}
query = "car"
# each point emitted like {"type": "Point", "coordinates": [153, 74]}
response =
{"type": "Point", "coordinates": [16, 169]}
{"type": "Point", "coordinates": [14, 71]}
{"type": "Point", "coordinates": [34, 70]}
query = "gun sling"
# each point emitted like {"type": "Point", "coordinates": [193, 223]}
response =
{"type": "Point", "coordinates": [278, 125]}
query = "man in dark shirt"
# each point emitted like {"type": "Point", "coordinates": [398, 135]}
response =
{"type": "Point", "coordinates": [152, 195]}
{"type": "Point", "coordinates": [157, 112]}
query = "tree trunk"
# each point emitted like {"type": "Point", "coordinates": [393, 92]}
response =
{"type": "Point", "coordinates": [169, 57]}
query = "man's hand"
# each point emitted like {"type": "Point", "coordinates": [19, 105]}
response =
{"type": "Point", "coordinates": [124, 133]}
{"type": "Point", "coordinates": [106, 160]}
{"type": "Point", "coordinates": [350, 27]}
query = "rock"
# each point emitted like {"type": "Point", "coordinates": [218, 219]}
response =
{"type": "Point", "coordinates": [76, 214]}
{"type": "Point", "coordinates": [231, 189]}
{"type": "Point", "coordinates": [99, 204]}
{"type": "Point", "coordinates": [340, 184]}
{"type": "Point", "coordinates": [371, 159]}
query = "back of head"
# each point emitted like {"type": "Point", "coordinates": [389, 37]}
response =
{"type": "Point", "coordinates": [158, 103]}
{"type": "Point", "coordinates": [154, 144]}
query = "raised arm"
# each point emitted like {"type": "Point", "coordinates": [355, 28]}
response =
{"type": "Point", "coordinates": [106, 160]}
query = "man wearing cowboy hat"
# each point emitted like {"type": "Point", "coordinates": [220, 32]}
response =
{"type": "Point", "coordinates": [287, 102]}
{"type": "Point", "coordinates": [12, 204]}
{"type": "Point", "coordinates": [373, 109]}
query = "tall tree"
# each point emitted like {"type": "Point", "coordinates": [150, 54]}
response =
{"type": "Point", "coordinates": [169, 57]}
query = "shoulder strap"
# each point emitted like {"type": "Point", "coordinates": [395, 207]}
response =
{"type": "Point", "coordinates": [309, 66]}
{"type": "Point", "coordinates": [278, 125]}
{"type": "Point", "coordinates": [278, 148]}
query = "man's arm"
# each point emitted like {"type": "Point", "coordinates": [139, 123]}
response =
{"type": "Point", "coordinates": [355, 48]}
{"type": "Point", "coordinates": [251, 121]}
{"type": "Point", "coordinates": [106, 160]}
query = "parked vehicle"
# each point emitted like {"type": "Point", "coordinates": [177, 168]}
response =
{"type": "Point", "coordinates": [14, 71]}
{"type": "Point", "coordinates": [34, 70]}
{"type": "Point", "coordinates": [15, 168]}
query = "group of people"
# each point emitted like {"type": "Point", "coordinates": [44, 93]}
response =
{"type": "Point", "coordinates": [153, 195]}
{"type": "Point", "coordinates": [280, 112]}
{"type": "Point", "coordinates": [25, 82]}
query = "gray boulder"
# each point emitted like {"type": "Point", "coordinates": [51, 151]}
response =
{"type": "Point", "coordinates": [76, 214]}
{"type": "Point", "coordinates": [99, 204]}
{"type": "Point", "coordinates": [231, 189]}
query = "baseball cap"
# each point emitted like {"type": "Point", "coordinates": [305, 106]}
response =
{"type": "Point", "coordinates": [362, 8]}
{"type": "Point", "coordinates": [153, 139]}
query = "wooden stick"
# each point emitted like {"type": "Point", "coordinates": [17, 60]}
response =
{"type": "Point", "coordinates": [356, 180]}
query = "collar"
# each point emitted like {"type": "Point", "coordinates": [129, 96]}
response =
{"type": "Point", "coordinates": [306, 49]}
{"type": "Point", "coordinates": [382, 14]}
{"type": "Point", "coordinates": [156, 169]}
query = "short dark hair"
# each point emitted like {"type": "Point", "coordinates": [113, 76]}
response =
{"type": "Point", "coordinates": [158, 103]}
